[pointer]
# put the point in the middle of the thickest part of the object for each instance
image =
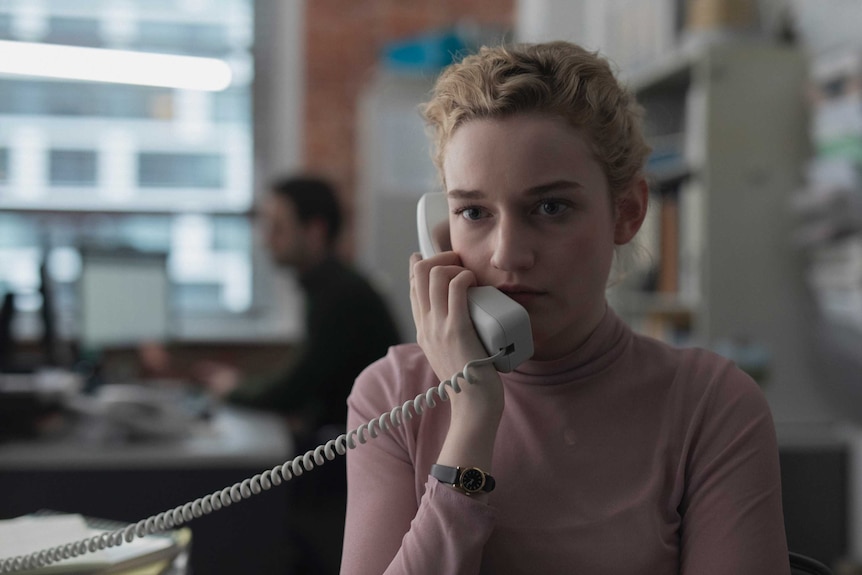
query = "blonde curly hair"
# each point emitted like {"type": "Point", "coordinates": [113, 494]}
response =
{"type": "Point", "coordinates": [560, 79]}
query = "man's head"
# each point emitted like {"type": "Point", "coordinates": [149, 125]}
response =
{"type": "Point", "coordinates": [302, 219]}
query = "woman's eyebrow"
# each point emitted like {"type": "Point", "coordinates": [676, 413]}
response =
{"type": "Point", "coordinates": [554, 186]}
{"type": "Point", "coordinates": [465, 194]}
{"type": "Point", "coordinates": [538, 190]}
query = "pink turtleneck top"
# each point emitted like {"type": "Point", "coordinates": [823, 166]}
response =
{"type": "Point", "coordinates": [628, 456]}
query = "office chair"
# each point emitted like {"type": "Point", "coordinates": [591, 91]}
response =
{"type": "Point", "coordinates": [803, 565]}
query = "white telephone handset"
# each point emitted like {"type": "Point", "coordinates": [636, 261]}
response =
{"type": "Point", "coordinates": [501, 322]}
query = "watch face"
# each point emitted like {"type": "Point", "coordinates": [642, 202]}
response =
{"type": "Point", "coordinates": [472, 480]}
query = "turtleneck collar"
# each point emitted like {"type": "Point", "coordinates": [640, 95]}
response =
{"type": "Point", "coordinates": [600, 349]}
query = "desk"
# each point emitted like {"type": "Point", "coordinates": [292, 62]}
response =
{"type": "Point", "coordinates": [232, 438]}
{"type": "Point", "coordinates": [819, 488]}
{"type": "Point", "coordinates": [131, 481]}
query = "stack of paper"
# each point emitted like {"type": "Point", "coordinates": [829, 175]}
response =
{"type": "Point", "coordinates": [25, 535]}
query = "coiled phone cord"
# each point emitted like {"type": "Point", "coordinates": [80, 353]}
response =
{"type": "Point", "coordinates": [253, 485]}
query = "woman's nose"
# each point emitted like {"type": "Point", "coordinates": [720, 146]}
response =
{"type": "Point", "coordinates": [512, 250]}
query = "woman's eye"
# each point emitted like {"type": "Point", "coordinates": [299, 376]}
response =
{"type": "Point", "coordinates": [470, 213]}
{"type": "Point", "coordinates": [552, 207]}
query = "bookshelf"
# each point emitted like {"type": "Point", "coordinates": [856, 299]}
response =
{"type": "Point", "coordinates": [714, 266]}
{"type": "Point", "coordinates": [828, 209]}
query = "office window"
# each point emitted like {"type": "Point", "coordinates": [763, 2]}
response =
{"type": "Point", "coordinates": [30, 97]}
{"type": "Point", "coordinates": [162, 170]}
{"type": "Point", "coordinates": [73, 167]}
{"type": "Point", "coordinates": [129, 164]}
{"type": "Point", "coordinates": [74, 31]}
{"type": "Point", "coordinates": [193, 39]}
{"type": "Point", "coordinates": [5, 25]}
{"type": "Point", "coordinates": [22, 97]}
{"type": "Point", "coordinates": [231, 106]}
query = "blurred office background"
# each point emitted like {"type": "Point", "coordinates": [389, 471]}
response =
{"type": "Point", "coordinates": [127, 204]}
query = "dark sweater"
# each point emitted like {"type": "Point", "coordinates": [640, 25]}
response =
{"type": "Point", "coordinates": [348, 326]}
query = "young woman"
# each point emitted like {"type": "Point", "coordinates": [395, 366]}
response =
{"type": "Point", "coordinates": [608, 452]}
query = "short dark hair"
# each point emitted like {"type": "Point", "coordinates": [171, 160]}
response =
{"type": "Point", "coordinates": [314, 197]}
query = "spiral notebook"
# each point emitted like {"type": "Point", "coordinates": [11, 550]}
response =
{"type": "Point", "coordinates": [153, 554]}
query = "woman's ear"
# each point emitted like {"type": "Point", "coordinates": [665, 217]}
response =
{"type": "Point", "coordinates": [630, 208]}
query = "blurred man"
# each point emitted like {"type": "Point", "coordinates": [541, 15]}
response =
{"type": "Point", "coordinates": [348, 326]}
{"type": "Point", "coordinates": [347, 323]}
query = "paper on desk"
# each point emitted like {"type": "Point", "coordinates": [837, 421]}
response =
{"type": "Point", "coordinates": [25, 535]}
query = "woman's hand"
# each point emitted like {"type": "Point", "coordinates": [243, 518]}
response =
{"type": "Point", "coordinates": [445, 332]}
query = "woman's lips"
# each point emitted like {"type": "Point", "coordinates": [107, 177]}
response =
{"type": "Point", "coordinates": [522, 295]}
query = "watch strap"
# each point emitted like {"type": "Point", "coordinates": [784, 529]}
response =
{"type": "Point", "coordinates": [453, 476]}
{"type": "Point", "coordinates": [445, 474]}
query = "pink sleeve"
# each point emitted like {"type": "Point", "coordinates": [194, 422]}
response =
{"type": "Point", "coordinates": [391, 527]}
{"type": "Point", "coordinates": [732, 514]}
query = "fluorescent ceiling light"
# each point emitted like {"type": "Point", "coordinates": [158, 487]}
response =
{"type": "Point", "coordinates": [118, 66]}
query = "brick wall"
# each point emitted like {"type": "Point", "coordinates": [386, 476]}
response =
{"type": "Point", "coordinates": [343, 40]}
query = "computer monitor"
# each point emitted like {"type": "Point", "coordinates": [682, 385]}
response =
{"type": "Point", "coordinates": [124, 299]}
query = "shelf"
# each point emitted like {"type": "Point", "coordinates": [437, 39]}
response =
{"type": "Point", "coordinates": [670, 73]}
{"type": "Point", "coordinates": [669, 177]}
{"type": "Point", "coordinates": [667, 166]}
{"type": "Point", "coordinates": [668, 317]}
{"type": "Point", "coordinates": [713, 123]}
{"type": "Point", "coordinates": [838, 348]}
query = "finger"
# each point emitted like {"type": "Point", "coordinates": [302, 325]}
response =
{"type": "Point", "coordinates": [414, 257]}
{"type": "Point", "coordinates": [420, 272]}
{"type": "Point", "coordinates": [458, 286]}
{"type": "Point", "coordinates": [418, 276]}
{"type": "Point", "coordinates": [415, 306]}
{"type": "Point", "coordinates": [442, 258]}
{"type": "Point", "coordinates": [439, 286]}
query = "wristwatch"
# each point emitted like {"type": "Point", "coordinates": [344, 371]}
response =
{"type": "Point", "coordinates": [468, 479]}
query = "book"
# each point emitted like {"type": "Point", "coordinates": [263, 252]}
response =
{"type": "Point", "coordinates": [149, 555]}
{"type": "Point", "coordinates": [668, 276]}
{"type": "Point", "coordinates": [692, 238]}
